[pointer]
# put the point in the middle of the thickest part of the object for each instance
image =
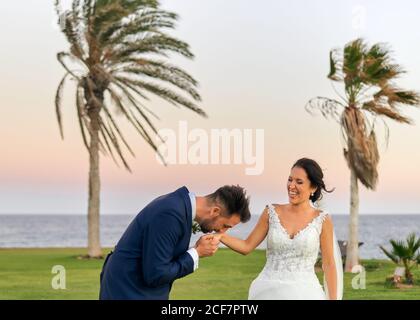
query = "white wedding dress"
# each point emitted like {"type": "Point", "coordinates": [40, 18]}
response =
{"type": "Point", "coordinates": [289, 273]}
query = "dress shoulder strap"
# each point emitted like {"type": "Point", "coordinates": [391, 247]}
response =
{"type": "Point", "coordinates": [271, 212]}
{"type": "Point", "coordinates": [323, 215]}
{"type": "Point", "coordinates": [321, 218]}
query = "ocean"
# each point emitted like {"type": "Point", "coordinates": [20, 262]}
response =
{"type": "Point", "coordinates": [26, 231]}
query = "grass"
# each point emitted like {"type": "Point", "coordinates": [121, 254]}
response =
{"type": "Point", "coordinates": [26, 274]}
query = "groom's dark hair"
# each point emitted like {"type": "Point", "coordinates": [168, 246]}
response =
{"type": "Point", "coordinates": [234, 200]}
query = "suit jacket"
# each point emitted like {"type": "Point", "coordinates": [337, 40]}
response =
{"type": "Point", "coordinates": [152, 253]}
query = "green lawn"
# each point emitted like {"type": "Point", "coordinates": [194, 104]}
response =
{"type": "Point", "coordinates": [26, 274]}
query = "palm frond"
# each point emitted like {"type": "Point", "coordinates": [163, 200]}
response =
{"type": "Point", "coordinates": [58, 96]}
{"type": "Point", "coordinates": [135, 122]}
{"type": "Point", "coordinates": [400, 249]}
{"type": "Point", "coordinates": [117, 129]}
{"type": "Point", "coordinates": [393, 95]}
{"type": "Point", "coordinates": [108, 15]}
{"type": "Point", "coordinates": [139, 126]}
{"type": "Point", "coordinates": [335, 66]}
{"type": "Point", "coordinates": [380, 110]}
{"type": "Point", "coordinates": [352, 64]}
{"type": "Point", "coordinates": [153, 44]}
{"type": "Point", "coordinates": [164, 93]}
{"type": "Point", "coordinates": [390, 255]}
{"type": "Point", "coordinates": [147, 20]}
{"type": "Point", "coordinates": [329, 108]}
{"type": "Point", "coordinates": [161, 74]}
{"type": "Point", "coordinates": [104, 134]}
{"type": "Point", "coordinates": [73, 36]}
{"type": "Point", "coordinates": [116, 146]}
{"type": "Point", "coordinates": [88, 9]}
{"type": "Point", "coordinates": [60, 57]}
{"type": "Point", "coordinates": [83, 123]}
{"type": "Point", "coordinates": [413, 243]}
{"type": "Point", "coordinates": [407, 97]}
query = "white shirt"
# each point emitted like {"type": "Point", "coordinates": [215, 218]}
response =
{"type": "Point", "coordinates": [193, 252]}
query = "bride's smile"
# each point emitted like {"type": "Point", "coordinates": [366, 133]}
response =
{"type": "Point", "coordinates": [299, 187]}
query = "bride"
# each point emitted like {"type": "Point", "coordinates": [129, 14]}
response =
{"type": "Point", "coordinates": [295, 232]}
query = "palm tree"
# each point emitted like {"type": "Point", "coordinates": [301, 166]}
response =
{"type": "Point", "coordinates": [117, 56]}
{"type": "Point", "coordinates": [405, 254]}
{"type": "Point", "coordinates": [367, 74]}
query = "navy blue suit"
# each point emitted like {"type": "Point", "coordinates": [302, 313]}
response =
{"type": "Point", "coordinates": [152, 253]}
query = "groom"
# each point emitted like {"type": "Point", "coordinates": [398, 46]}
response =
{"type": "Point", "coordinates": [153, 252]}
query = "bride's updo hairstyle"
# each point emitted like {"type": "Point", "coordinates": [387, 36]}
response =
{"type": "Point", "coordinates": [315, 175]}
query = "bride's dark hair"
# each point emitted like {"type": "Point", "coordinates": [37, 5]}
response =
{"type": "Point", "coordinates": [315, 175]}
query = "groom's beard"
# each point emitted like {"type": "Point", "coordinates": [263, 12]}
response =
{"type": "Point", "coordinates": [207, 225]}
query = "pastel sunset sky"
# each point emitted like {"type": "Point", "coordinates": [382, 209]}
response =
{"type": "Point", "coordinates": [258, 63]}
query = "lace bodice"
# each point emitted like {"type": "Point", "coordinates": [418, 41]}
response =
{"type": "Point", "coordinates": [290, 257]}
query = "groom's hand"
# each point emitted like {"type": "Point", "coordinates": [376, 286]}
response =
{"type": "Point", "coordinates": [206, 246]}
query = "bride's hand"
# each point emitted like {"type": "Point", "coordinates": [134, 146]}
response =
{"type": "Point", "coordinates": [218, 237]}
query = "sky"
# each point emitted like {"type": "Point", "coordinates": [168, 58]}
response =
{"type": "Point", "coordinates": [257, 63]}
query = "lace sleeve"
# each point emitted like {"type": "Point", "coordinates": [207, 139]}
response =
{"type": "Point", "coordinates": [271, 213]}
{"type": "Point", "coordinates": [321, 218]}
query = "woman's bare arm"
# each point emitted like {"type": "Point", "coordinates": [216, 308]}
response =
{"type": "Point", "coordinates": [254, 239]}
{"type": "Point", "coordinates": [328, 262]}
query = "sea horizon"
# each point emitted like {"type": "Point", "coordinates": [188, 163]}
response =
{"type": "Point", "coordinates": [70, 230]}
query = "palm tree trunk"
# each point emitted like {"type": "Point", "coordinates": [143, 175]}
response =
{"type": "Point", "coordinates": [408, 274]}
{"type": "Point", "coordinates": [94, 246]}
{"type": "Point", "coordinates": [352, 255]}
